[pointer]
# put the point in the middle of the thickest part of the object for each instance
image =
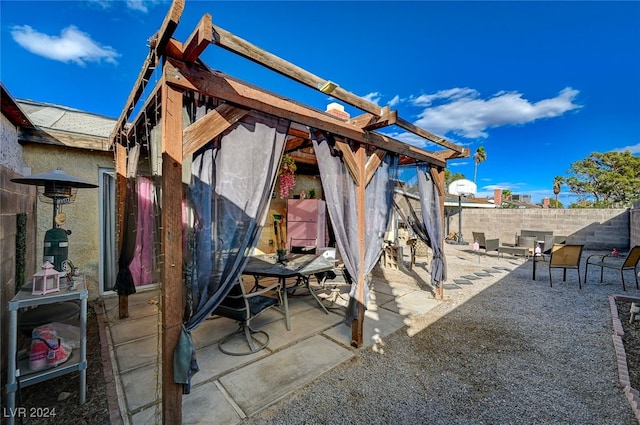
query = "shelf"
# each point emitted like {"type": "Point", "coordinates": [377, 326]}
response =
{"type": "Point", "coordinates": [77, 361]}
{"type": "Point", "coordinates": [35, 376]}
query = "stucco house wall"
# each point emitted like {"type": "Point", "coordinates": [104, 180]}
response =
{"type": "Point", "coordinates": [83, 214]}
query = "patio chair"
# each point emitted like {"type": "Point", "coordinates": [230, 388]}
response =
{"type": "Point", "coordinates": [565, 257]}
{"type": "Point", "coordinates": [609, 261]}
{"type": "Point", "coordinates": [243, 306]}
{"type": "Point", "coordinates": [486, 244]}
{"type": "Point", "coordinates": [550, 240]}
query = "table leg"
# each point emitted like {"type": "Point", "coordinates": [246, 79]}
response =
{"type": "Point", "coordinates": [285, 301]}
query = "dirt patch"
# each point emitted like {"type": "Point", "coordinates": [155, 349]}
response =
{"type": "Point", "coordinates": [42, 399]}
{"type": "Point", "coordinates": [95, 410]}
{"type": "Point", "coordinates": [631, 341]}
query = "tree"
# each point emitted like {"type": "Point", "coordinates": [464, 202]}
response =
{"type": "Point", "coordinates": [451, 177]}
{"type": "Point", "coordinates": [478, 157]}
{"type": "Point", "coordinates": [610, 179]}
{"type": "Point", "coordinates": [506, 194]}
{"type": "Point", "coordinates": [554, 204]}
{"type": "Point", "coordinates": [557, 181]}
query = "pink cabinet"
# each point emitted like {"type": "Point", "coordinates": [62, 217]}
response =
{"type": "Point", "coordinates": [306, 223]}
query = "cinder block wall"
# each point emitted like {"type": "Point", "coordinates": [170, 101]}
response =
{"type": "Point", "coordinates": [597, 229]}
{"type": "Point", "coordinates": [635, 224]}
{"type": "Point", "coordinates": [14, 198]}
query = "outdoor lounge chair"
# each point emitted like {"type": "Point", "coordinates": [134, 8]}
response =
{"type": "Point", "coordinates": [550, 240]}
{"type": "Point", "coordinates": [486, 244]}
{"type": "Point", "coordinates": [243, 306]}
{"type": "Point", "coordinates": [565, 257]}
{"type": "Point", "coordinates": [609, 261]}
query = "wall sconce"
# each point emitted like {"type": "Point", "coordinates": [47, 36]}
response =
{"type": "Point", "coordinates": [328, 87]}
{"type": "Point", "coordinates": [46, 280]}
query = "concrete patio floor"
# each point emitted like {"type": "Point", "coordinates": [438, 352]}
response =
{"type": "Point", "coordinates": [230, 388]}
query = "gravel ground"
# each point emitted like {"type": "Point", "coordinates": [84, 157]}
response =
{"type": "Point", "coordinates": [515, 352]}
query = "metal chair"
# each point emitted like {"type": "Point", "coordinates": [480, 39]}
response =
{"type": "Point", "coordinates": [486, 244]}
{"type": "Point", "coordinates": [550, 240]}
{"type": "Point", "coordinates": [565, 257]}
{"type": "Point", "coordinates": [609, 261]}
{"type": "Point", "coordinates": [243, 306]}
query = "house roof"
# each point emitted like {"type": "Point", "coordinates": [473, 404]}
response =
{"type": "Point", "coordinates": [12, 110]}
{"type": "Point", "coordinates": [64, 118]}
{"type": "Point", "coordinates": [64, 126]}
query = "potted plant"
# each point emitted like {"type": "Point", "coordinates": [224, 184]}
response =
{"type": "Point", "coordinates": [287, 175]}
{"type": "Point", "coordinates": [281, 247]}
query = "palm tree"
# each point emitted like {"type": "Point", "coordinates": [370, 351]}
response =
{"type": "Point", "coordinates": [557, 181]}
{"type": "Point", "coordinates": [478, 157]}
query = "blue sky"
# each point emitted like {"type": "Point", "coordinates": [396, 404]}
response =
{"type": "Point", "coordinates": [539, 84]}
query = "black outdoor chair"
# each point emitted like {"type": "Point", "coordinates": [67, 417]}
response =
{"type": "Point", "coordinates": [565, 257]}
{"type": "Point", "coordinates": [243, 306]}
{"type": "Point", "coordinates": [609, 261]}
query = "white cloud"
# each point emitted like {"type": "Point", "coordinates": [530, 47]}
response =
{"type": "Point", "coordinates": [137, 5]}
{"type": "Point", "coordinates": [634, 149]}
{"type": "Point", "coordinates": [505, 186]}
{"type": "Point", "coordinates": [451, 94]}
{"type": "Point", "coordinates": [103, 4]}
{"type": "Point", "coordinates": [394, 101]}
{"type": "Point", "coordinates": [463, 112]}
{"type": "Point", "coordinates": [72, 45]}
{"type": "Point", "coordinates": [373, 97]}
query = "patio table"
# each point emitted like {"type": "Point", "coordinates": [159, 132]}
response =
{"type": "Point", "coordinates": [300, 266]}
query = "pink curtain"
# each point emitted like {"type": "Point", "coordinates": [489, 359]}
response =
{"type": "Point", "coordinates": [142, 265]}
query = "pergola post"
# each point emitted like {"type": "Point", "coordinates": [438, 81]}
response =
{"type": "Point", "coordinates": [357, 327]}
{"type": "Point", "coordinates": [172, 305]}
{"type": "Point", "coordinates": [121, 194]}
{"type": "Point", "coordinates": [437, 174]}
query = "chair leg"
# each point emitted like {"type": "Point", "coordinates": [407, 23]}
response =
{"type": "Point", "coordinates": [249, 335]}
{"type": "Point", "coordinates": [635, 274]}
{"type": "Point", "coordinates": [586, 270]}
{"type": "Point", "coordinates": [601, 272]}
{"type": "Point", "coordinates": [550, 279]}
{"type": "Point", "coordinates": [580, 283]}
{"type": "Point", "coordinates": [622, 275]}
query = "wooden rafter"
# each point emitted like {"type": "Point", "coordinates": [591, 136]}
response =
{"type": "Point", "coordinates": [159, 40]}
{"type": "Point", "coordinates": [349, 160]}
{"type": "Point", "coordinates": [231, 42]}
{"type": "Point", "coordinates": [158, 44]}
{"type": "Point", "coordinates": [209, 127]}
{"type": "Point", "coordinates": [372, 122]}
{"type": "Point", "coordinates": [217, 84]}
{"type": "Point", "coordinates": [373, 163]}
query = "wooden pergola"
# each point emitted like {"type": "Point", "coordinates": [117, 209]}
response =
{"type": "Point", "coordinates": [183, 71]}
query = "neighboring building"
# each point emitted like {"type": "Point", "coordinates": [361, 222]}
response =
{"type": "Point", "coordinates": [515, 201]}
{"type": "Point", "coordinates": [77, 143]}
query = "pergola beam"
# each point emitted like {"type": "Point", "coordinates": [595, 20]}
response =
{"type": "Point", "coordinates": [373, 163]}
{"type": "Point", "coordinates": [219, 85]}
{"type": "Point", "coordinates": [233, 43]}
{"type": "Point", "coordinates": [209, 127]}
{"type": "Point", "coordinates": [199, 40]}
{"type": "Point", "coordinates": [158, 44]}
